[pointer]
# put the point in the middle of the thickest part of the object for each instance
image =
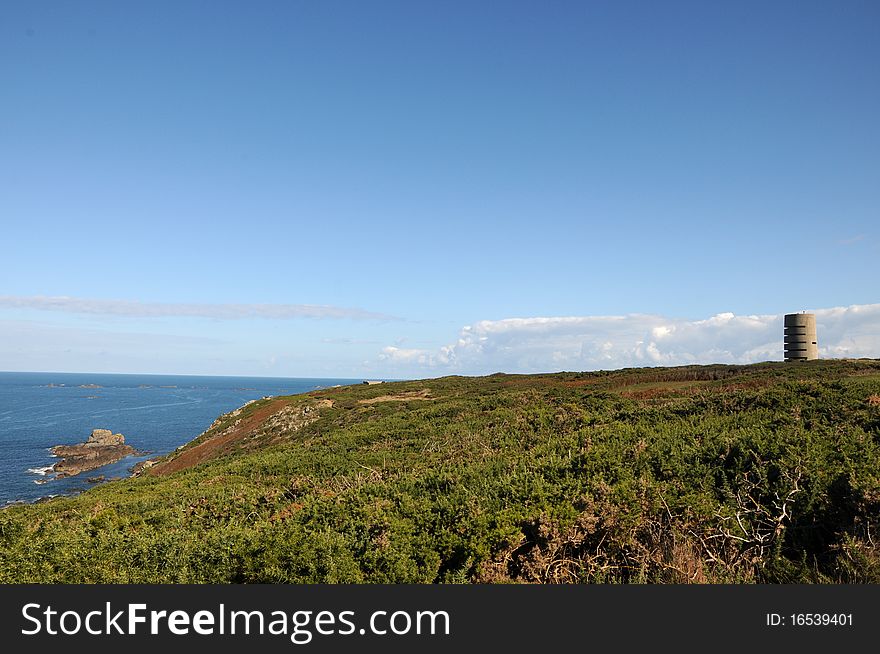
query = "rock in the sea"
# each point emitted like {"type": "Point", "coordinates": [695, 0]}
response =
{"type": "Point", "coordinates": [104, 437]}
{"type": "Point", "coordinates": [102, 447]}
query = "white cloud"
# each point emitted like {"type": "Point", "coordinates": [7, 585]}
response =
{"type": "Point", "coordinates": [608, 342]}
{"type": "Point", "coordinates": [398, 355]}
{"type": "Point", "coordinates": [131, 308]}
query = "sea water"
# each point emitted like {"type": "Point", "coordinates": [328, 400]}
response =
{"type": "Point", "coordinates": [155, 413]}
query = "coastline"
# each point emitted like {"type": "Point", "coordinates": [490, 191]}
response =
{"type": "Point", "coordinates": [40, 410]}
{"type": "Point", "coordinates": [143, 461]}
{"type": "Point", "coordinates": [82, 483]}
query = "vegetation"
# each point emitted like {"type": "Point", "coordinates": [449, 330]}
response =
{"type": "Point", "coordinates": [764, 473]}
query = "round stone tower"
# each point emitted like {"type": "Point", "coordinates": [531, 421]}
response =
{"type": "Point", "coordinates": [800, 337]}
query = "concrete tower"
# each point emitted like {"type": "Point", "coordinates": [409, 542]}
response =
{"type": "Point", "coordinates": [800, 337]}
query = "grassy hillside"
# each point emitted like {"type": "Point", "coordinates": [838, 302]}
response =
{"type": "Point", "coordinates": [764, 473]}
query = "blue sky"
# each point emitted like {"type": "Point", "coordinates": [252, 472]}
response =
{"type": "Point", "coordinates": [189, 174]}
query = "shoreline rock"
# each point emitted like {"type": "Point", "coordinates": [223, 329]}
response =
{"type": "Point", "coordinates": [138, 468]}
{"type": "Point", "coordinates": [101, 448]}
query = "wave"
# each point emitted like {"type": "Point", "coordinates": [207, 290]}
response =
{"type": "Point", "coordinates": [146, 406]}
{"type": "Point", "coordinates": [41, 471]}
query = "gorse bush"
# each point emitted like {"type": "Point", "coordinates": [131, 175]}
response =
{"type": "Point", "coordinates": [765, 473]}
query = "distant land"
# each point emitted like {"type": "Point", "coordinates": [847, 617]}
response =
{"type": "Point", "coordinates": [767, 473]}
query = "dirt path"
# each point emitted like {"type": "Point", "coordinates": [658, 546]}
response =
{"type": "Point", "coordinates": [423, 394]}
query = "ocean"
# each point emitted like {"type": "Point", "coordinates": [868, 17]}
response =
{"type": "Point", "coordinates": [155, 413]}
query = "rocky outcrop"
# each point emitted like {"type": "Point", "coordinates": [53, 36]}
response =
{"type": "Point", "coordinates": [104, 438]}
{"type": "Point", "coordinates": [139, 467]}
{"type": "Point", "coordinates": [101, 448]}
